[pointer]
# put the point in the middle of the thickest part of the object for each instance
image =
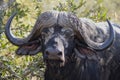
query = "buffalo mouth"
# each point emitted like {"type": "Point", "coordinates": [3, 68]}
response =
{"type": "Point", "coordinates": [54, 63]}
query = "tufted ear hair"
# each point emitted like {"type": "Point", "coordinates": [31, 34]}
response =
{"type": "Point", "coordinates": [30, 48]}
{"type": "Point", "coordinates": [86, 53]}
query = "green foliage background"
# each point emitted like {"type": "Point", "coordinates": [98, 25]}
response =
{"type": "Point", "coordinates": [14, 67]}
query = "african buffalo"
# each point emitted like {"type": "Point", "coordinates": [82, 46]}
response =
{"type": "Point", "coordinates": [72, 48]}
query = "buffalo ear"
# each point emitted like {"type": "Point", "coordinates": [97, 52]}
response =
{"type": "Point", "coordinates": [86, 52]}
{"type": "Point", "coordinates": [29, 49]}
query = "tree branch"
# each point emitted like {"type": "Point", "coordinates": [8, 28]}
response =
{"type": "Point", "coordinates": [4, 5]}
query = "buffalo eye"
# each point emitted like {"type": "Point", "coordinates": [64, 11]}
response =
{"type": "Point", "coordinates": [45, 32]}
{"type": "Point", "coordinates": [68, 33]}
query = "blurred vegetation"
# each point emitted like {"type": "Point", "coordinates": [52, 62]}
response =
{"type": "Point", "coordinates": [14, 67]}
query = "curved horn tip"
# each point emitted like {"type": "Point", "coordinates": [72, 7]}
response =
{"type": "Point", "coordinates": [9, 34]}
{"type": "Point", "coordinates": [108, 21]}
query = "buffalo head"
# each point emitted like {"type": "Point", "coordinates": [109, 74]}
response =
{"type": "Point", "coordinates": [56, 35]}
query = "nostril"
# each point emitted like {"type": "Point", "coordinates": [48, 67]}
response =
{"type": "Point", "coordinates": [47, 53]}
{"type": "Point", "coordinates": [60, 53]}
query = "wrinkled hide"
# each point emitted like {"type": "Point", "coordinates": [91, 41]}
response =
{"type": "Point", "coordinates": [72, 48]}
